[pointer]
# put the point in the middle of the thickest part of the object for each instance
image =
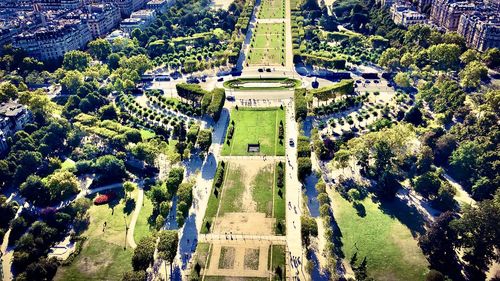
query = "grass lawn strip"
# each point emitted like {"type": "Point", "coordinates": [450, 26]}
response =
{"type": "Point", "coordinates": [262, 190]}
{"type": "Point", "coordinates": [232, 191]}
{"type": "Point", "coordinates": [143, 225]}
{"type": "Point", "coordinates": [278, 258]}
{"type": "Point", "coordinates": [213, 204]}
{"type": "Point", "coordinates": [391, 250]}
{"type": "Point", "coordinates": [279, 211]}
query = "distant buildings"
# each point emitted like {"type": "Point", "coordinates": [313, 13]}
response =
{"type": "Point", "coordinates": [13, 117]}
{"type": "Point", "coordinates": [54, 40]}
{"type": "Point", "coordinates": [481, 31]}
{"type": "Point", "coordinates": [157, 5]}
{"type": "Point", "coordinates": [139, 19]}
{"type": "Point", "coordinates": [404, 14]}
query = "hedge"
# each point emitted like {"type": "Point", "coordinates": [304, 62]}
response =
{"type": "Point", "coordinates": [344, 87]}
{"type": "Point", "coordinates": [329, 63]}
{"type": "Point", "coordinates": [217, 103]}
{"type": "Point", "coordinates": [191, 92]}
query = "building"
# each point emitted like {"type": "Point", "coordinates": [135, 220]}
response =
{"type": "Point", "coordinates": [115, 35]}
{"type": "Point", "coordinates": [404, 14]}
{"type": "Point", "coordinates": [13, 117]}
{"type": "Point", "coordinates": [59, 4]}
{"type": "Point", "coordinates": [55, 39]}
{"type": "Point", "coordinates": [157, 5]}
{"type": "Point", "coordinates": [102, 18]}
{"type": "Point", "coordinates": [481, 30]}
{"type": "Point", "coordinates": [138, 19]}
{"type": "Point", "coordinates": [446, 13]}
{"type": "Point", "coordinates": [385, 3]}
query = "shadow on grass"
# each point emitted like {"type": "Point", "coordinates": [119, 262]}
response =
{"type": "Point", "coordinates": [409, 216]}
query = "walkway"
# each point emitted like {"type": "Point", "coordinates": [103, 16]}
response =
{"type": "Point", "coordinates": [223, 238]}
{"type": "Point", "coordinates": [133, 221]}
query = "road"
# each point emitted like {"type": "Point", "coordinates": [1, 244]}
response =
{"type": "Point", "coordinates": [131, 228]}
{"type": "Point", "coordinates": [293, 195]}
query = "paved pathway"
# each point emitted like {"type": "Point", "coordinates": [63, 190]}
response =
{"type": "Point", "coordinates": [135, 215]}
{"type": "Point", "coordinates": [214, 238]}
{"type": "Point", "coordinates": [7, 253]}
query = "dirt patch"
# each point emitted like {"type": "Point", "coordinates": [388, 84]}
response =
{"type": "Point", "coordinates": [251, 260]}
{"type": "Point", "coordinates": [91, 265]}
{"type": "Point", "coordinates": [250, 169]}
{"type": "Point", "coordinates": [226, 259]}
{"type": "Point", "coordinates": [244, 223]}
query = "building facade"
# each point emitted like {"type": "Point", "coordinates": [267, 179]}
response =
{"type": "Point", "coordinates": [480, 30]}
{"type": "Point", "coordinates": [13, 117]}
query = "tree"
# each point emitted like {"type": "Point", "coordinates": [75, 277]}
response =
{"type": "Point", "coordinates": [204, 139]}
{"type": "Point", "coordinates": [479, 234]}
{"type": "Point", "coordinates": [309, 228]}
{"type": "Point", "coordinates": [76, 60]}
{"type": "Point", "coordinates": [27, 163]}
{"type": "Point", "coordinates": [129, 186]}
{"type": "Point", "coordinates": [465, 159]}
{"type": "Point", "coordinates": [469, 56]}
{"type": "Point", "coordinates": [100, 49]}
{"type": "Point", "coordinates": [342, 158]}
{"type": "Point", "coordinates": [492, 57]}
{"type": "Point", "coordinates": [143, 253]}
{"type": "Point", "coordinates": [7, 91]}
{"type": "Point", "coordinates": [414, 116]}
{"type": "Point", "coordinates": [472, 74]}
{"type": "Point", "coordinates": [390, 58]}
{"type": "Point", "coordinates": [134, 275]}
{"type": "Point", "coordinates": [72, 81]}
{"type": "Point", "coordinates": [437, 243]}
{"type": "Point", "coordinates": [108, 112]}
{"type": "Point", "coordinates": [304, 167]}
{"type": "Point", "coordinates": [167, 245]}
{"type": "Point", "coordinates": [444, 56]}
{"type": "Point", "coordinates": [402, 79]}
{"type": "Point", "coordinates": [110, 167]}
{"type": "Point", "coordinates": [62, 184]}
{"type": "Point", "coordinates": [35, 191]}
{"type": "Point", "coordinates": [427, 184]}
{"type": "Point", "coordinates": [139, 63]}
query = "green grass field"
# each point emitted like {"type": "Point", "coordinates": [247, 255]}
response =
{"type": "Point", "coordinates": [254, 126]}
{"type": "Point", "coordinates": [268, 44]}
{"type": "Point", "coordinates": [142, 226]}
{"type": "Point", "coordinates": [278, 253]}
{"type": "Point", "coordinates": [212, 205]}
{"type": "Point", "coordinates": [233, 191]}
{"type": "Point", "coordinates": [391, 251]}
{"type": "Point", "coordinates": [262, 190]}
{"type": "Point", "coordinates": [103, 256]}
{"type": "Point", "coordinates": [272, 9]}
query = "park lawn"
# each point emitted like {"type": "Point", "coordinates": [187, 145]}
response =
{"type": "Point", "coordinates": [262, 190]}
{"type": "Point", "coordinates": [68, 164]}
{"type": "Point", "coordinates": [270, 28]}
{"type": "Point", "coordinates": [255, 126]}
{"type": "Point", "coordinates": [103, 256]}
{"type": "Point", "coordinates": [143, 226]}
{"type": "Point", "coordinates": [232, 191]}
{"type": "Point", "coordinates": [278, 259]}
{"type": "Point", "coordinates": [212, 205]}
{"type": "Point", "coordinates": [391, 251]}
{"type": "Point", "coordinates": [272, 41]}
{"type": "Point", "coordinates": [266, 56]}
{"type": "Point", "coordinates": [147, 134]}
{"type": "Point", "coordinates": [272, 9]}
{"type": "Point", "coordinates": [280, 201]}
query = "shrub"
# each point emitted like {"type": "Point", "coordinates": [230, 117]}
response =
{"type": "Point", "coordinates": [104, 198]}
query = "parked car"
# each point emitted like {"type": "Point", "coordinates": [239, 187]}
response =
{"type": "Point", "coordinates": [291, 142]}
{"type": "Point", "coordinates": [230, 98]}
{"type": "Point", "coordinates": [260, 70]}
{"type": "Point", "coordinates": [268, 70]}
{"type": "Point", "coordinates": [220, 79]}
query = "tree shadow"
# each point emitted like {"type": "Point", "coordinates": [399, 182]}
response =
{"type": "Point", "coordinates": [129, 206]}
{"type": "Point", "coordinates": [409, 216]}
{"type": "Point", "coordinates": [360, 209]}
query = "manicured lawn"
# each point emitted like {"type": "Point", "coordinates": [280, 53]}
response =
{"type": "Point", "coordinates": [68, 164]}
{"type": "Point", "coordinates": [142, 226]}
{"type": "Point", "coordinates": [254, 126]}
{"type": "Point", "coordinates": [272, 9]}
{"type": "Point", "coordinates": [262, 190]}
{"type": "Point", "coordinates": [212, 205]}
{"type": "Point", "coordinates": [103, 256]}
{"type": "Point", "coordinates": [391, 251]}
{"type": "Point", "coordinates": [147, 134]}
{"type": "Point", "coordinates": [268, 44]}
{"type": "Point", "coordinates": [278, 259]}
{"type": "Point", "coordinates": [233, 188]}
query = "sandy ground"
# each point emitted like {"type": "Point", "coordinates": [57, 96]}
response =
{"type": "Point", "coordinates": [238, 251]}
{"type": "Point", "coordinates": [245, 222]}
{"type": "Point", "coordinates": [222, 4]}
